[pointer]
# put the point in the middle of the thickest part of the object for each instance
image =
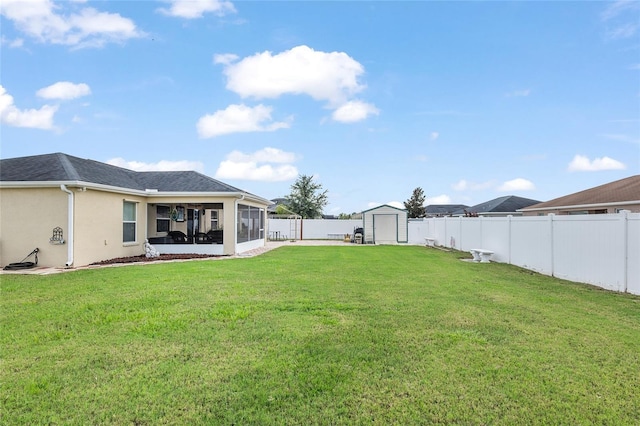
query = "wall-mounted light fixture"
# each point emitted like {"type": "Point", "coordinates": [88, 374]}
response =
{"type": "Point", "coordinates": [57, 237]}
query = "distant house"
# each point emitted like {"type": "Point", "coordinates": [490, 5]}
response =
{"type": "Point", "coordinates": [272, 209]}
{"type": "Point", "coordinates": [502, 206]}
{"type": "Point", "coordinates": [623, 194]}
{"type": "Point", "coordinates": [79, 211]}
{"type": "Point", "coordinates": [442, 210]}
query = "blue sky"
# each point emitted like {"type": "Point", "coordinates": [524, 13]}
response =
{"type": "Point", "coordinates": [468, 100]}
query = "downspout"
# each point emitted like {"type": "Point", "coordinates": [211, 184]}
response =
{"type": "Point", "coordinates": [69, 226]}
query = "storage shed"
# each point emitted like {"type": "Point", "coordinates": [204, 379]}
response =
{"type": "Point", "coordinates": [385, 225]}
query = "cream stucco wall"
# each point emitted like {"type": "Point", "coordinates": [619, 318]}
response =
{"type": "Point", "coordinates": [98, 226]}
{"type": "Point", "coordinates": [29, 215]}
{"type": "Point", "coordinates": [27, 219]}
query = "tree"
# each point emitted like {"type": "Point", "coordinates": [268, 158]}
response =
{"type": "Point", "coordinates": [307, 198]}
{"type": "Point", "coordinates": [415, 204]}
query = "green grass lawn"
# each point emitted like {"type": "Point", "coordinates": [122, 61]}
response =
{"type": "Point", "coordinates": [317, 335]}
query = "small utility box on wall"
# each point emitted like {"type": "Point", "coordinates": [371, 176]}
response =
{"type": "Point", "coordinates": [385, 225]}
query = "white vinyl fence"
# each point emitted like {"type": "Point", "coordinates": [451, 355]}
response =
{"type": "Point", "coordinates": [311, 229]}
{"type": "Point", "coordinates": [603, 250]}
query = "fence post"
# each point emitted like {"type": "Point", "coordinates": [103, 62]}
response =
{"type": "Point", "coordinates": [509, 217]}
{"type": "Point", "coordinates": [445, 232]}
{"type": "Point", "coordinates": [624, 216]}
{"type": "Point", "coordinates": [551, 251]}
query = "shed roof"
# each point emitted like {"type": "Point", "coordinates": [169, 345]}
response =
{"type": "Point", "coordinates": [384, 205]}
{"type": "Point", "coordinates": [59, 167]}
{"type": "Point", "coordinates": [619, 191]}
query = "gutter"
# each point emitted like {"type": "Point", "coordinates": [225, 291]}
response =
{"type": "Point", "coordinates": [69, 225]}
{"type": "Point", "coordinates": [581, 206]}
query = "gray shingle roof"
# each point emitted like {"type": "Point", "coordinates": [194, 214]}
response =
{"type": "Point", "coordinates": [61, 167]}
{"type": "Point", "coordinates": [627, 189]}
{"type": "Point", "coordinates": [506, 204]}
{"type": "Point", "coordinates": [436, 209]}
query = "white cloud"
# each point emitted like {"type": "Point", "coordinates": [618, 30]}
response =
{"type": "Point", "coordinates": [434, 135]}
{"type": "Point", "coordinates": [518, 93]}
{"type": "Point", "coordinates": [163, 165]}
{"type": "Point", "coordinates": [622, 18]}
{"type": "Point", "coordinates": [15, 43]}
{"type": "Point", "coordinates": [31, 118]}
{"type": "Point", "coordinates": [623, 31]}
{"type": "Point", "coordinates": [581, 163]}
{"type": "Point", "coordinates": [265, 155]}
{"type": "Point", "coordinates": [353, 111]}
{"type": "Point", "coordinates": [326, 76]}
{"type": "Point", "coordinates": [464, 185]}
{"type": "Point", "coordinates": [439, 199]}
{"type": "Point", "coordinates": [83, 27]}
{"type": "Point", "coordinates": [518, 184]}
{"type": "Point", "coordinates": [622, 138]}
{"type": "Point", "coordinates": [225, 58]}
{"type": "Point", "coordinates": [191, 9]}
{"type": "Point", "coordinates": [616, 8]}
{"type": "Point", "coordinates": [64, 90]}
{"type": "Point", "coordinates": [396, 204]}
{"type": "Point", "coordinates": [255, 166]}
{"type": "Point", "coordinates": [238, 119]}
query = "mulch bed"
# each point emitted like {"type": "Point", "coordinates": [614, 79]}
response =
{"type": "Point", "coordinates": [143, 258]}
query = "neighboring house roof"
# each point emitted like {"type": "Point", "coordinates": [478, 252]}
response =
{"type": "Point", "coordinates": [277, 202]}
{"type": "Point", "coordinates": [62, 168]}
{"type": "Point", "coordinates": [441, 209]}
{"type": "Point", "coordinates": [625, 190]}
{"type": "Point", "coordinates": [506, 204]}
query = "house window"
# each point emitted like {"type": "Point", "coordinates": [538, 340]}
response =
{"type": "Point", "coordinates": [129, 222]}
{"type": "Point", "coordinates": [214, 219]}
{"type": "Point", "coordinates": [250, 223]}
{"type": "Point", "coordinates": [163, 218]}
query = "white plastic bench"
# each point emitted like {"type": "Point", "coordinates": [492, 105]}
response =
{"type": "Point", "coordinates": [481, 255]}
{"type": "Point", "coordinates": [431, 242]}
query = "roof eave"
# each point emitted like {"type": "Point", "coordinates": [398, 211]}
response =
{"type": "Point", "coordinates": [580, 206]}
{"type": "Point", "coordinates": [143, 193]}
{"type": "Point", "coordinates": [182, 194]}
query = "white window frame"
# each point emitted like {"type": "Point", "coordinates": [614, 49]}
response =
{"type": "Point", "coordinates": [128, 221]}
{"type": "Point", "coordinates": [215, 219]}
{"type": "Point", "coordinates": [167, 219]}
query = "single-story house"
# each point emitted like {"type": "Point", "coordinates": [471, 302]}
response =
{"type": "Point", "coordinates": [385, 225]}
{"type": "Point", "coordinates": [623, 194]}
{"type": "Point", "coordinates": [442, 210]}
{"type": "Point", "coordinates": [79, 211]}
{"type": "Point", "coordinates": [509, 205]}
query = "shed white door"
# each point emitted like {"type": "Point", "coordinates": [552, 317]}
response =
{"type": "Point", "coordinates": [385, 228]}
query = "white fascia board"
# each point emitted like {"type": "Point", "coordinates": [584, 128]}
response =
{"type": "Point", "coordinates": [70, 184]}
{"type": "Point", "coordinates": [581, 206]}
{"type": "Point", "coordinates": [179, 194]}
{"type": "Point", "coordinates": [150, 192]}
